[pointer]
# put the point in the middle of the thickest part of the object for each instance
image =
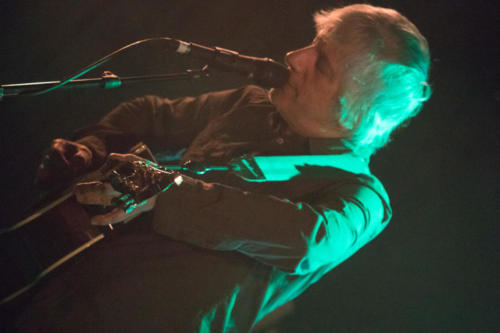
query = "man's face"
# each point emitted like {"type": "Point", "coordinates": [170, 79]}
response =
{"type": "Point", "coordinates": [307, 100]}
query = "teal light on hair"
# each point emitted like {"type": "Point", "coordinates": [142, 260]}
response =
{"type": "Point", "coordinates": [401, 95]}
{"type": "Point", "coordinates": [385, 67]}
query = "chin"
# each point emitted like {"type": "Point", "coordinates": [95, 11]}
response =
{"type": "Point", "coordinates": [278, 98]}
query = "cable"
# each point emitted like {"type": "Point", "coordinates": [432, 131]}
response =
{"type": "Point", "coordinates": [94, 65]}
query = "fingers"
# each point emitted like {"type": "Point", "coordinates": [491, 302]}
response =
{"type": "Point", "coordinates": [62, 161]}
{"type": "Point", "coordinates": [114, 159]}
{"type": "Point", "coordinates": [125, 157]}
{"type": "Point", "coordinates": [120, 215]}
{"type": "Point", "coordinates": [95, 193]}
{"type": "Point", "coordinates": [63, 149]}
{"type": "Point", "coordinates": [74, 155]}
{"type": "Point", "coordinates": [114, 216]}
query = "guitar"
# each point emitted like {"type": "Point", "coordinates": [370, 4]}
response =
{"type": "Point", "coordinates": [29, 252]}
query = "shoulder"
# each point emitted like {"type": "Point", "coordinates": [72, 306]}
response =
{"type": "Point", "coordinates": [250, 94]}
{"type": "Point", "coordinates": [360, 193]}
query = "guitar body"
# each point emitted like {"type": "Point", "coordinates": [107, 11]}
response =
{"type": "Point", "coordinates": [52, 235]}
{"type": "Point", "coordinates": [31, 252]}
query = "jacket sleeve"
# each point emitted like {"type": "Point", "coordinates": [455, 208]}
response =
{"type": "Point", "coordinates": [171, 123]}
{"type": "Point", "coordinates": [297, 237]}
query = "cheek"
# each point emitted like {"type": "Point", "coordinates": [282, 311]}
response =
{"type": "Point", "coordinates": [313, 99]}
{"type": "Point", "coordinates": [326, 94]}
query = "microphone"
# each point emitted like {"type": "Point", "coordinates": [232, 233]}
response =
{"type": "Point", "coordinates": [263, 71]}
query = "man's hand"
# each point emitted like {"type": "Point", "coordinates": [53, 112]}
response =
{"type": "Point", "coordinates": [103, 193]}
{"type": "Point", "coordinates": [62, 161]}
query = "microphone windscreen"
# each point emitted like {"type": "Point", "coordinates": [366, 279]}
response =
{"type": "Point", "coordinates": [271, 74]}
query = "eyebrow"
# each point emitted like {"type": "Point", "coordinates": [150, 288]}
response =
{"type": "Point", "coordinates": [323, 59]}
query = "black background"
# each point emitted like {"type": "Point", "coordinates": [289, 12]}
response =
{"type": "Point", "coordinates": [435, 268]}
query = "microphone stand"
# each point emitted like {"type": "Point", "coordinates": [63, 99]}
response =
{"type": "Point", "coordinates": [108, 80]}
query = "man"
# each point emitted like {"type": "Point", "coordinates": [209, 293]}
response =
{"type": "Point", "coordinates": [221, 252]}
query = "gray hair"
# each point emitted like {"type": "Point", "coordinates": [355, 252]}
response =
{"type": "Point", "coordinates": [386, 63]}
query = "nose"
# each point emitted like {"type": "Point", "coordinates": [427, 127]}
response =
{"type": "Point", "coordinates": [301, 59]}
